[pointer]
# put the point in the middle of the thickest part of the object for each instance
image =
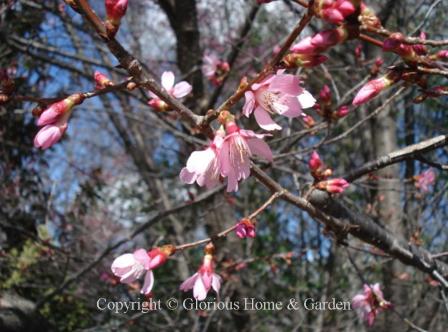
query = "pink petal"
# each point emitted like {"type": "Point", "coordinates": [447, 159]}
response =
{"type": "Point", "coordinates": [207, 280]}
{"type": "Point", "coordinates": [249, 104]}
{"type": "Point", "coordinates": [148, 283]}
{"type": "Point", "coordinates": [293, 108]}
{"type": "Point", "coordinates": [182, 89]}
{"type": "Point", "coordinates": [199, 161]}
{"type": "Point", "coordinates": [189, 283]}
{"type": "Point", "coordinates": [306, 99]}
{"type": "Point", "coordinates": [48, 136]}
{"type": "Point", "coordinates": [187, 177]}
{"type": "Point", "coordinates": [49, 116]}
{"type": "Point", "coordinates": [168, 80]}
{"type": "Point", "coordinates": [142, 257]}
{"type": "Point", "coordinates": [346, 8]}
{"type": "Point", "coordinates": [305, 46]}
{"type": "Point", "coordinates": [232, 182]}
{"type": "Point", "coordinates": [224, 157]}
{"type": "Point", "coordinates": [358, 301]}
{"type": "Point", "coordinates": [264, 120]}
{"type": "Point", "coordinates": [122, 264]}
{"type": "Point", "coordinates": [260, 148]}
{"type": "Point", "coordinates": [216, 282]}
{"type": "Point", "coordinates": [199, 291]}
{"type": "Point", "coordinates": [286, 83]}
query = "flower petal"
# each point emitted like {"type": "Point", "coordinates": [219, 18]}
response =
{"type": "Point", "coordinates": [260, 148]}
{"type": "Point", "coordinates": [122, 264]}
{"type": "Point", "coordinates": [148, 283]}
{"type": "Point", "coordinates": [187, 176]}
{"type": "Point", "coordinates": [286, 83]}
{"type": "Point", "coordinates": [141, 256]}
{"type": "Point", "coordinates": [216, 282]}
{"type": "Point", "coordinates": [168, 80]}
{"type": "Point", "coordinates": [306, 99]}
{"type": "Point", "coordinates": [199, 161]}
{"type": "Point", "coordinates": [189, 283]}
{"type": "Point", "coordinates": [182, 89]}
{"type": "Point", "coordinates": [199, 291]}
{"type": "Point", "coordinates": [249, 104]}
{"type": "Point", "coordinates": [264, 120]}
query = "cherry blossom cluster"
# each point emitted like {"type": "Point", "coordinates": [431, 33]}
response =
{"type": "Point", "coordinates": [321, 173]}
{"type": "Point", "coordinates": [370, 303]}
{"type": "Point", "coordinates": [132, 266]}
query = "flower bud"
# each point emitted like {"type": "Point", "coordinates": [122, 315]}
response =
{"type": "Point", "coordinates": [315, 162]}
{"type": "Point", "coordinates": [115, 10]}
{"type": "Point", "coordinates": [333, 186]}
{"type": "Point", "coordinates": [342, 112]}
{"type": "Point", "coordinates": [159, 255]}
{"type": "Point", "coordinates": [101, 80]}
{"type": "Point", "coordinates": [372, 88]}
{"type": "Point", "coordinates": [245, 228]}
{"type": "Point", "coordinates": [325, 95]}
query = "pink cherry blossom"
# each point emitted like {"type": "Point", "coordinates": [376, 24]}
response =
{"type": "Point", "coordinates": [178, 90]}
{"type": "Point", "coordinates": [203, 280]}
{"type": "Point", "coordinates": [130, 267]}
{"type": "Point", "coordinates": [245, 228]}
{"type": "Point", "coordinates": [370, 303]}
{"type": "Point", "coordinates": [279, 93]}
{"type": "Point", "coordinates": [425, 179]}
{"type": "Point", "coordinates": [238, 147]}
{"type": "Point", "coordinates": [204, 167]}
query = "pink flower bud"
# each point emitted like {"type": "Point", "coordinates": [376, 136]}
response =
{"type": "Point", "coordinates": [49, 135]}
{"type": "Point", "coordinates": [245, 228]}
{"type": "Point", "coordinates": [56, 110]}
{"type": "Point", "coordinates": [334, 11]}
{"type": "Point", "coordinates": [309, 121]}
{"type": "Point", "coordinates": [159, 255]}
{"type": "Point", "coordinates": [315, 162]}
{"type": "Point", "coordinates": [372, 88]}
{"type": "Point", "coordinates": [321, 41]}
{"type": "Point", "coordinates": [101, 80]}
{"type": "Point", "coordinates": [334, 186]}
{"type": "Point", "coordinates": [443, 54]}
{"type": "Point", "coordinates": [325, 94]}
{"type": "Point", "coordinates": [115, 10]}
{"type": "Point", "coordinates": [342, 111]}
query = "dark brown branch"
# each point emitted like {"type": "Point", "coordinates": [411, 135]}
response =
{"type": "Point", "coordinates": [410, 152]}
